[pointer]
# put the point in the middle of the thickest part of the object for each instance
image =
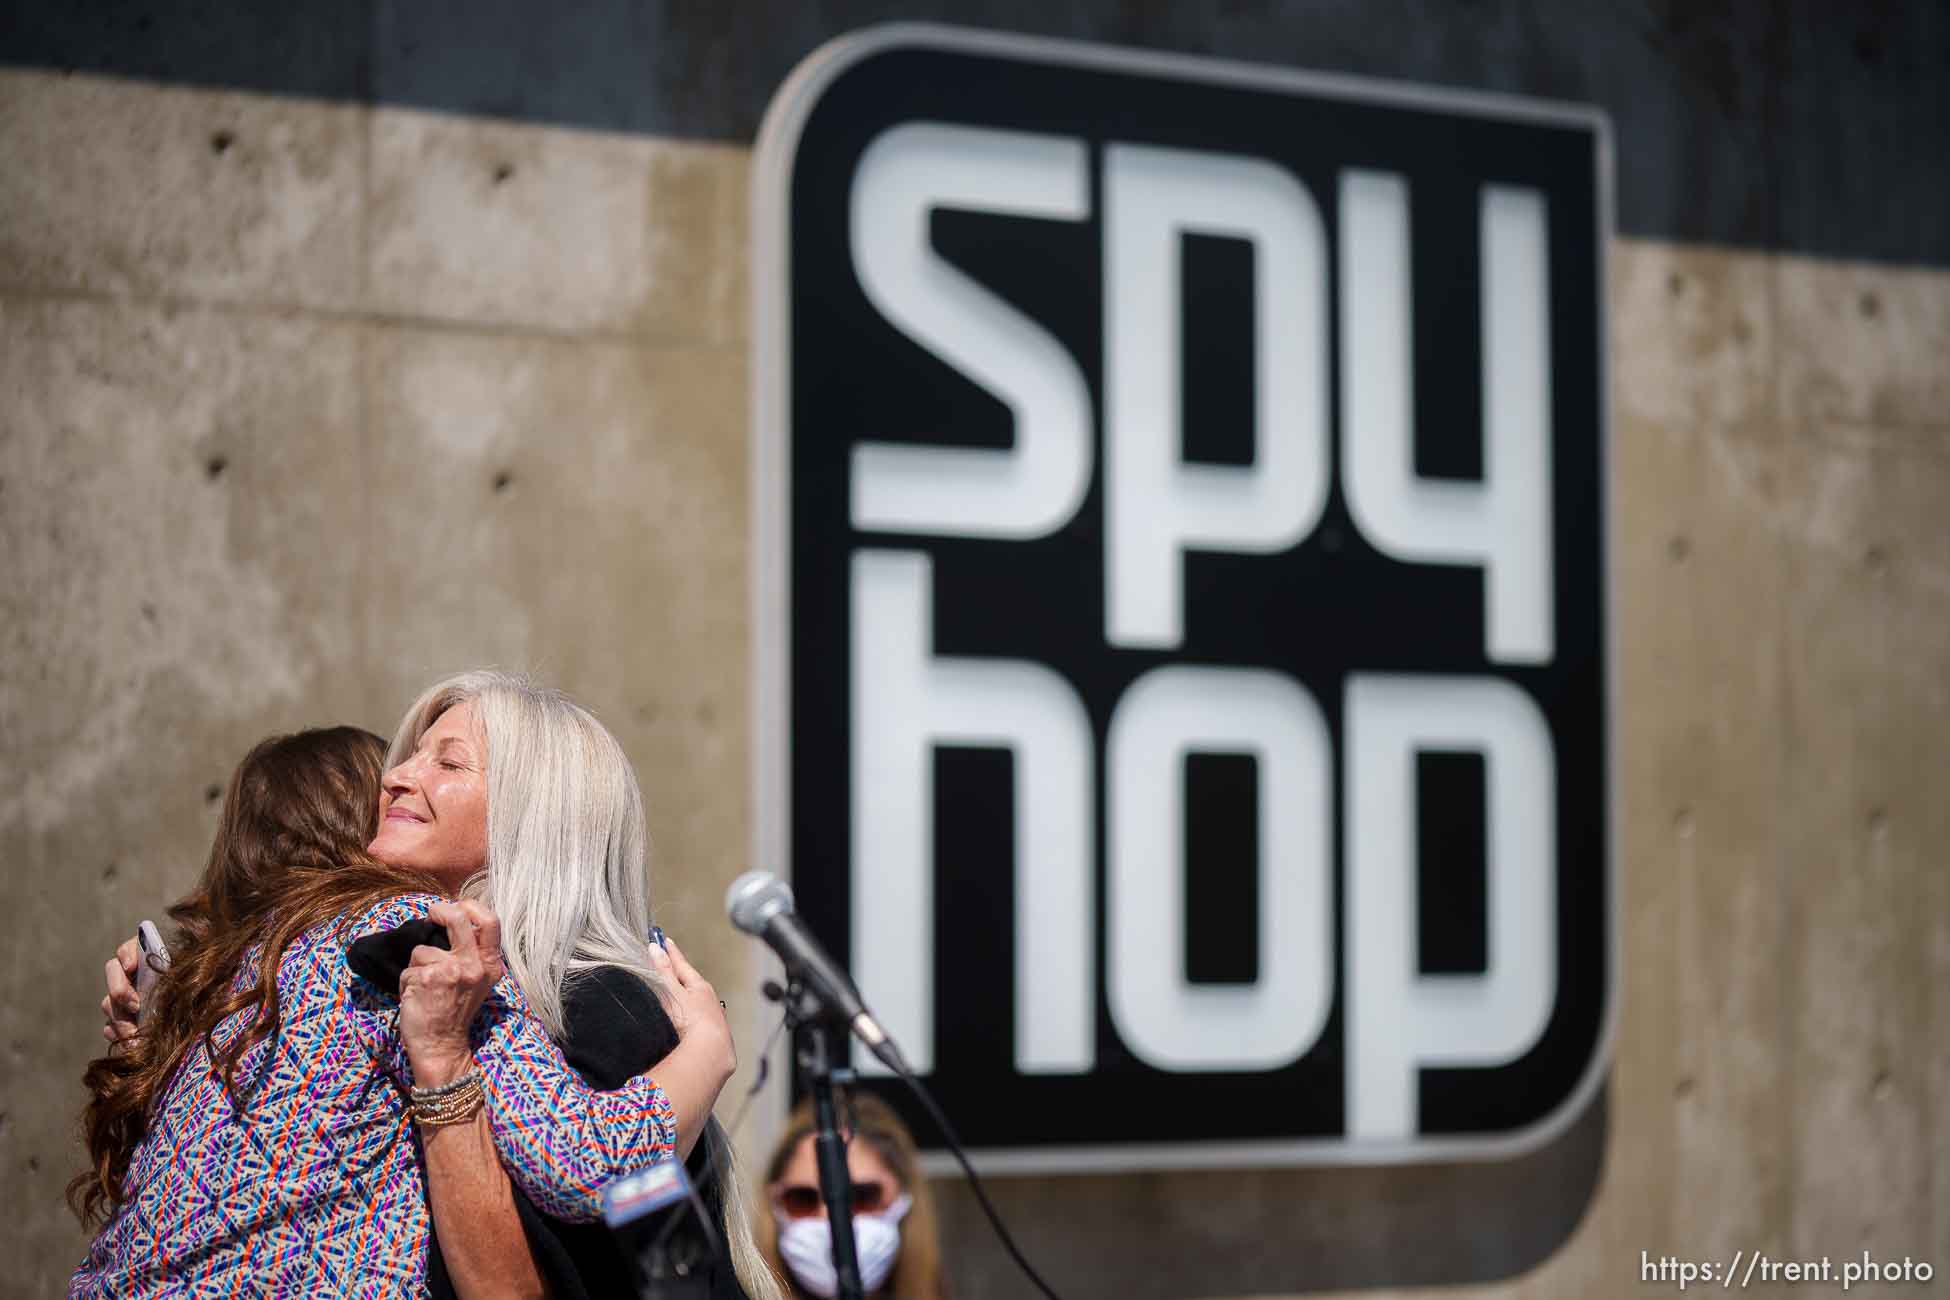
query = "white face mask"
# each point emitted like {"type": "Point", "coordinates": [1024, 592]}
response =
{"type": "Point", "coordinates": [806, 1245]}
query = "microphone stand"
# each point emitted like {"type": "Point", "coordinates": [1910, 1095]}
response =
{"type": "Point", "coordinates": [814, 1043]}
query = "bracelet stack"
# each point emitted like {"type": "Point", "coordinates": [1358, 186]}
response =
{"type": "Point", "coordinates": [450, 1103]}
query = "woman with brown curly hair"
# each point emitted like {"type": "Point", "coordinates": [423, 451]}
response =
{"type": "Point", "coordinates": [291, 837]}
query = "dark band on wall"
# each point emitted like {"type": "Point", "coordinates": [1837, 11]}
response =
{"type": "Point", "coordinates": [1793, 126]}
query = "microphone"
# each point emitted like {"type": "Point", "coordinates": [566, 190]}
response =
{"type": "Point", "coordinates": [641, 1210]}
{"type": "Point", "coordinates": [760, 904]}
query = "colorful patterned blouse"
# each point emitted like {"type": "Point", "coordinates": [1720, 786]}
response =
{"type": "Point", "coordinates": [316, 1187]}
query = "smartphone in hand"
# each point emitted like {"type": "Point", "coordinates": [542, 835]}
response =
{"type": "Point", "coordinates": [154, 960]}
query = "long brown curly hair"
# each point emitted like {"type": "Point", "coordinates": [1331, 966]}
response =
{"type": "Point", "coordinates": [289, 855]}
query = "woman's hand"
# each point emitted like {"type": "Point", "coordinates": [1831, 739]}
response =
{"type": "Point", "coordinates": [123, 1005]}
{"type": "Point", "coordinates": [440, 992]}
{"type": "Point", "coordinates": [703, 1033]}
{"type": "Point", "coordinates": [703, 1060]}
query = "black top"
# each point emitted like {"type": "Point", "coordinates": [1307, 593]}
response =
{"type": "Point", "coordinates": [616, 1030]}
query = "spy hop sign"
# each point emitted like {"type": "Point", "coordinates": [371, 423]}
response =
{"type": "Point", "coordinates": [1182, 666]}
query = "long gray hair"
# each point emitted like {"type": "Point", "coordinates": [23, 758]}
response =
{"type": "Point", "coordinates": [567, 842]}
{"type": "Point", "coordinates": [567, 870]}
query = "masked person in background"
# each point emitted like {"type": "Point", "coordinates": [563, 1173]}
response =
{"type": "Point", "coordinates": [895, 1235]}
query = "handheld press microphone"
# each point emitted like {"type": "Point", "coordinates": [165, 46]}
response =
{"type": "Point", "coordinates": [641, 1209]}
{"type": "Point", "coordinates": [760, 904]}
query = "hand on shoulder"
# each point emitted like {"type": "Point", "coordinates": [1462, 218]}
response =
{"type": "Point", "coordinates": [694, 1008]}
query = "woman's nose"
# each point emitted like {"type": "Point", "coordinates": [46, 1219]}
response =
{"type": "Point", "coordinates": [397, 779]}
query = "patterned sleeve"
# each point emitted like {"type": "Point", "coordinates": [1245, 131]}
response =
{"type": "Point", "coordinates": [561, 1140]}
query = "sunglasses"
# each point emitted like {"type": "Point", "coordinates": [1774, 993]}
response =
{"type": "Point", "coordinates": [802, 1202]}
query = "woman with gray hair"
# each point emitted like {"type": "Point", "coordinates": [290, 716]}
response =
{"type": "Point", "coordinates": [572, 894]}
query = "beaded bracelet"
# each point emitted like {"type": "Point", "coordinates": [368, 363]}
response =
{"type": "Point", "coordinates": [450, 1103]}
{"type": "Point", "coordinates": [454, 1084]}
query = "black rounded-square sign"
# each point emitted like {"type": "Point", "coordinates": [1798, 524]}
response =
{"type": "Point", "coordinates": [1181, 651]}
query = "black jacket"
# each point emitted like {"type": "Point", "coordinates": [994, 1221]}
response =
{"type": "Point", "coordinates": [616, 1030]}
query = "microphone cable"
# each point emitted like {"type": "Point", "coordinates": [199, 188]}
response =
{"type": "Point", "coordinates": [695, 1203]}
{"type": "Point", "coordinates": [975, 1181]}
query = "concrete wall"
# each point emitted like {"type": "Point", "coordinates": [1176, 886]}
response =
{"type": "Point", "coordinates": [303, 404]}
{"type": "Point", "coordinates": [301, 407]}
